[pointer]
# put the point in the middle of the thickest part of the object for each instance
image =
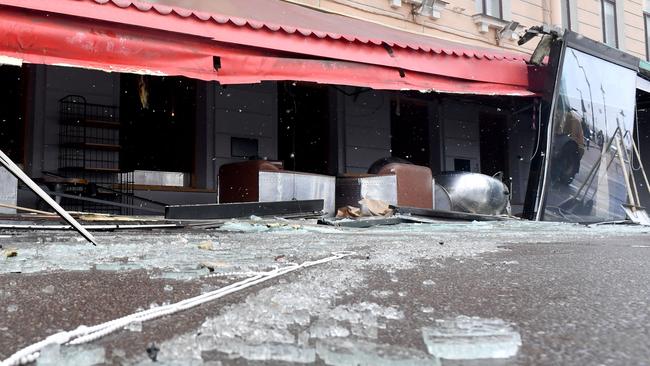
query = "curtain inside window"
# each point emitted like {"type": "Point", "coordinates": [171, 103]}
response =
{"type": "Point", "coordinates": [492, 8]}
{"type": "Point", "coordinates": [609, 22]}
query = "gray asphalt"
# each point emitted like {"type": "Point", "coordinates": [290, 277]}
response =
{"type": "Point", "coordinates": [575, 295]}
{"type": "Point", "coordinates": [574, 304]}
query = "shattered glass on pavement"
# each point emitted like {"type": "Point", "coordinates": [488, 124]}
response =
{"type": "Point", "coordinates": [238, 246]}
{"type": "Point", "coordinates": [295, 322]}
{"type": "Point", "coordinates": [311, 315]}
{"type": "Point", "coordinates": [181, 258]}
{"type": "Point", "coordinates": [56, 355]}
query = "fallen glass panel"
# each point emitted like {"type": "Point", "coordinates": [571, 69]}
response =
{"type": "Point", "coordinates": [594, 114]}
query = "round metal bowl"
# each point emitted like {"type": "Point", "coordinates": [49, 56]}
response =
{"type": "Point", "coordinates": [473, 193]}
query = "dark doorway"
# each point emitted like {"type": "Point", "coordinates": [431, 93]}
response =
{"type": "Point", "coordinates": [304, 128]}
{"type": "Point", "coordinates": [12, 113]}
{"type": "Point", "coordinates": [158, 117]}
{"type": "Point", "coordinates": [494, 144]}
{"type": "Point", "coordinates": [642, 138]}
{"type": "Point", "coordinates": [409, 129]}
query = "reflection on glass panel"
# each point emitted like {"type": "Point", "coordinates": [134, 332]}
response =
{"type": "Point", "coordinates": [492, 8]}
{"type": "Point", "coordinates": [647, 36]}
{"type": "Point", "coordinates": [609, 20]}
{"type": "Point", "coordinates": [593, 118]}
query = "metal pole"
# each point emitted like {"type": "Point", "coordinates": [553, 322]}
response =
{"type": "Point", "coordinates": [619, 147]}
{"type": "Point", "coordinates": [15, 170]}
{"type": "Point", "coordinates": [631, 173]}
{"type": "Point", "coordinates": [626, 158]}
{"type": "Point", "coordinates": [638, 156]}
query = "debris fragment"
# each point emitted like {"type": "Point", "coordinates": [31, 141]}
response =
{"type": "Point", "coordinates": [212, 265]}
{"type": "Point", "coordinates": [372, 207]}
{"type": "Point", "coordinates": [281, 258]}
{"type": "Point", "coordinates": [348, 211]}
{"type": "Point", "coordinates": [108, 217]}
{"type": "Point", "coordinates": [243, 227]}
{"type": "Point", "coordinates": [345, 351]}
{"type": "Point", "coordinates": [134, 327]}
{"type": "Point", "coordinates": [10, 252]}
{"type": "Point", "coordinates": [469, 338]}
{"type": "Point", "coordinates": [369, 207]}
{"type": "Point", "coordinates": [152, 352]}
{"type": "Point", "coordinates": [206, 245]}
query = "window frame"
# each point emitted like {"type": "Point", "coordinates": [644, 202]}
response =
{"type": "Point", "coordinates": [484, 8]}
{"type": "Point", "coordinates": [646, 20]}
{"type": "Point", "coordinates": [604, 23]}
{"type": "Point", "coordinates": [567, 9]}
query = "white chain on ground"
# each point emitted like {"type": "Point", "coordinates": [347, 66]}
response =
{"type": "Point", "coordinates": [233, 274]}
{"type": "Point", "coordinates": [84, 334]}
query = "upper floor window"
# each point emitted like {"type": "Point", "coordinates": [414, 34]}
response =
{"type": "Point", "coordinates": [610, 31]}
{"type": "Point", "coordinates": [493, 8]}
{"type": "Point", "coordinates": [646, 16]}
{"type": "Point", "coordinates": [567, 19]}
{"type": "Point", "coordinates": [491, 14]}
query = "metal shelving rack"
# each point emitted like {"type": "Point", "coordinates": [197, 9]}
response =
{"type": "Point", "coordinates": [89, 148]}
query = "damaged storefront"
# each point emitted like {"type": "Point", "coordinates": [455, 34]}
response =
{"type": "Point", "coordinates": [127, 108]}
{"type": "Point", "coordinates": [588, 168]}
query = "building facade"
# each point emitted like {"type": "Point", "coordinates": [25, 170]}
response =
{"type": "Point", "coordinates": [619, 23]}
{"type": "Point", "coordinates": [326, 87]}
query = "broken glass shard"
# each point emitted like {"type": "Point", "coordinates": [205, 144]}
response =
{"type": "Point", "coordinates": [465, 338]}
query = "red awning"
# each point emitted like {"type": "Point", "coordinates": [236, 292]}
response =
{"type": "Point", "coordinates": [126, 36]}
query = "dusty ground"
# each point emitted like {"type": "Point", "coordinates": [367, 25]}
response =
{"type": "Point", "coordinates": [528, 292]}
